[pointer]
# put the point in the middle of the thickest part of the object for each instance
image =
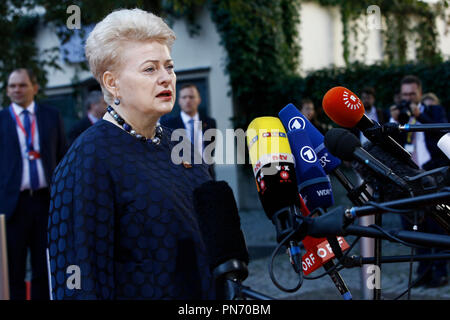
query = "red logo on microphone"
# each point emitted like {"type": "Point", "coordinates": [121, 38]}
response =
{"type": "Point", "coordinates": [262, 184]}
{"type": "Point", "coordinates": [284, 175]}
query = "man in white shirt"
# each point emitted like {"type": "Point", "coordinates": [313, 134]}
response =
{"type": "Point", "coordinates": [190, 119]}
{"type": "Point", "coordinates": [32, 142]}
{"type": "Point", "coordinates": [426, 154]}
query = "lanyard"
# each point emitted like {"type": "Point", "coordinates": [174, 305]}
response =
{"type": "Point", "coordinates": [409, 136]}
{"type": "Point", "coordinates": [29, 139]}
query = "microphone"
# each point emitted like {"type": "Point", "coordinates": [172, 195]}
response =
{"type": "Point", "coordinates": [281, 206]}
{"type": "Point", "coordinates": [293, 119]}
{"type": "Point", "coordinates": [315, 188]}
{"type": "Point", "coordinates": [444, 144]}
{"type": "Point", "coordinates": [346, 109]}
{"type": "Point", "coordinates": [347, 146]}
{"type": "Point", "coordinates": [220, 226]}
{"type": "Point", "coordinates": [313, 183]}
{"type": "Point", "coordinates": [273, 166]}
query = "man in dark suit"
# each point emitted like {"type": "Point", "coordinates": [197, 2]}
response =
{"type": "Point", "coordinates": [96, 108]}
{"type": "Point", "coordinates": [423, 146]}
{"type": "Point", "coordinates": [427, 155]}
{"type": "Point", "coordinates": [191, 120]}
{"type": "Point", "coordinates": [370, 110]}
{"type": "Point", "coordinates": [32, 142]}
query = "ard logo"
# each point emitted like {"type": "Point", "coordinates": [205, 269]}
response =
{"type": "Point", "coordinates": [307, 154]}
{"type": "Point", "coordinates": [296, 123]}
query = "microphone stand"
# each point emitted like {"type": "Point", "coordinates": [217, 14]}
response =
{"type": "Point", "coordinates": [377, 250]}
{"type": "Point", "coordinates": [358, 196]}
{"type": "Point", "coordinates": [229, 275]}
{"type": "Point", "coordinates": [237, 291]}
{"type": "Point", "coordinates": [359, 261]}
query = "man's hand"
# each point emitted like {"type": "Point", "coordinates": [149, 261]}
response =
{"type": "Point", "coordinates": [415, 110]}
{"type": "Point", "coordinates": [394, 112]}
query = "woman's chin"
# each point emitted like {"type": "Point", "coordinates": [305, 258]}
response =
{"type": "Point", "coordinates": [164, 108]}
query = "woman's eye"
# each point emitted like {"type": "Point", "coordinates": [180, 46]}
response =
{"type": "Point", "coordinates": [170, 67]}
{"type": "Point", "coordinates": [150, 69]}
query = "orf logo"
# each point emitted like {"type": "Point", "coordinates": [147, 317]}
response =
{"type": "Point", "coordinates": [351, 101]}
{"type": "Point", "coordinates": [307, 154]}
{"type": "Point", "coordinates": [296, 123]}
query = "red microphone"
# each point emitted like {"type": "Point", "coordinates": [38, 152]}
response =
{"type": "Point", "coordinates": [346, 109]}
{"type": "Point", "coordinates": [318, 250]}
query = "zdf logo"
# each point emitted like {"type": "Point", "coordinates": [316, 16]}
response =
{"type": "Point", "coordinates": [307, 154]}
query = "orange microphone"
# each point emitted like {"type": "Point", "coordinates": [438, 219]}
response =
{"type": "Point", "coordinates": [346, 109]}
{"type": "Point", "coordinates": [343, 107]}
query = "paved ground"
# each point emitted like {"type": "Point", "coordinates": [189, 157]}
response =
{"type": "Point", "coordinates": [260, 236]}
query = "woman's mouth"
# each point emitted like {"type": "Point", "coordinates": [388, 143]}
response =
{"type": "Point", "coordinates": [165, 95]}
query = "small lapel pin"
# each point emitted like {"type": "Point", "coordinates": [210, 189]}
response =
{"type": "Point", "coordinates": [187, 165]}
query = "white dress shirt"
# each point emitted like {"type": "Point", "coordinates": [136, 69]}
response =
{"type": "Point", "coordinates": [372, 114]}
{"type": "Point", "coordinates": [419, 153]}
{"type": "Point", "coordinates": [25, 184]}
{"type": "Point", "coordinates": [92, 118]}
{"type": "Point", "coordinates": [198, 134]}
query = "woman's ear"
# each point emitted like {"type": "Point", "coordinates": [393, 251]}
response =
{"type": "Point", "coordinates": [110, 82]}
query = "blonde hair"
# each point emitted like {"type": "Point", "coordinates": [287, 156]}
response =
{"type": "Point", "coordinates": [431, 96]}
{"type": "Point", "coordinates": [104, 46]}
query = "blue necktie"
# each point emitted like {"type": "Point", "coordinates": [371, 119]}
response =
{"type": "Point", "coordinates": [34, 177]}
{"type": "Point", "coordinates": [191, 124]}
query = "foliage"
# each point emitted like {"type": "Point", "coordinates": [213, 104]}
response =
{"type": "Point", "coordinates": [384, 78]}
{"type": "Point", "coordinates": [262, 44]}
{"type": "Point", "coordinates": [399, 16]}
{"type": "Point", "coordinates": [18, 29]}
{"type": "Point", "coordinates": [260, 38]}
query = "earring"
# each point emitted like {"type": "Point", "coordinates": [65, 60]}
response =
{"type": "Point", "coordinates": [116, 101]}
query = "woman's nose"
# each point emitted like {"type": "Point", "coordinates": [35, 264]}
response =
{"type": "Point", "coordinates": [164, 77]}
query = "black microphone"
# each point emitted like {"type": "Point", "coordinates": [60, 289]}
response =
{"type": "Point", "coordinates": [346, 146]}
{"type": "Point", "coordinates": [220, 226]}
{"type": "Point", "coordinates": [220, 223]}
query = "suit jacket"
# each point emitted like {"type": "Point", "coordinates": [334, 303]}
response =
{"type": "Point", "coordinates": [430, 114]}
{"type": "Point", "coordinates": [382, 119]}
{"type": "Point", "coordinates": [79, 128]}
{"type": "Point", "coordinates": [177, 123]}
{"type": "Point", "coordinates": [434, 114]}
{"type": "Point", "coordinates": [53, 146]}
{"type": "Point", "coordinates": [207, 123]}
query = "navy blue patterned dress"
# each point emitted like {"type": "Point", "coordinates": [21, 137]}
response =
{"type": "Point", "coordinates": [123, 213]}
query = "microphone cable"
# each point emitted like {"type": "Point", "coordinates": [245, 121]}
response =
{"type": "Point", "coordinates": [395, 239]}
{"type": "Point", "coordinates": [272, 258]}
{"type": "Point", "coordinates": [411, 285]}
{"type": "Point", "coordinates": [385, 208]}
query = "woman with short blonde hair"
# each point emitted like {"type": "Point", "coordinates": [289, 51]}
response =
{"type": "Point", "coordinates": [122, 212]}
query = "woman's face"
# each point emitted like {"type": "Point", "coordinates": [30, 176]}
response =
{"type": "Point", "coordinates": [146, 80]}
{"type": "Point", "coordinates": [308, 110]}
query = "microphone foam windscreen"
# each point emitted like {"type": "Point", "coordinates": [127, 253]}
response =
{"type": "Point", "coordinates": [444, 144]}
{"type": "Point", "coordinates": [341, 143]}
{"type": "Point", "coordinates": [313, 183]}
{"type": "Point", "coordinates": [220, 223]}
{"type": "Point", "coordinates": [293, 119]}
{"type": "Point", "coordinates": [343, 107]}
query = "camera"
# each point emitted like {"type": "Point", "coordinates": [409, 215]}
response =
{"type": "Point", "coordinates": [405, 112]}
